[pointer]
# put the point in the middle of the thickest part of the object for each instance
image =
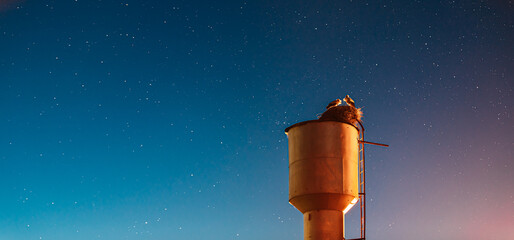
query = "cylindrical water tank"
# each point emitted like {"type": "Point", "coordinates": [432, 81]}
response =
{"type": "Point", "coordinates": [323, 175]}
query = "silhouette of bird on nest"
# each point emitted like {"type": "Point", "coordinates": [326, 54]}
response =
{"type": "Point", "coordinates": [334, 103]}
{"type": "Point", "coordinates": [349, 101]}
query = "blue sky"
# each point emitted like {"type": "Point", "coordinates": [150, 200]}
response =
{"type": "Point", "coordinates": [165, 119]}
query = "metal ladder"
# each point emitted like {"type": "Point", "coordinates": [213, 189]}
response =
{"type": "Point", "coordinates": [362, 183]}
{"type": "Point", "coordinates": [362, 180]}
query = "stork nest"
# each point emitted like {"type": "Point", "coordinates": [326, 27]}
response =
{"type": "Point", "coordinates": [346, 114]}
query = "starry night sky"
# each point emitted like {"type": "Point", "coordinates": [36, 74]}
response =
{"type": "Point", "coordinates": [165, 119]}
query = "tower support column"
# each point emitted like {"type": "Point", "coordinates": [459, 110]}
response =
{"type": "Point", "coordinates": [323, 225]}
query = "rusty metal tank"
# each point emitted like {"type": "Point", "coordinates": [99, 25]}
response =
{"type": "Point", "coordinates": [323, 175]}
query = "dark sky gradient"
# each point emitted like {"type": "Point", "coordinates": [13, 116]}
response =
{"type": "Point", "coordinates": [165, 119]}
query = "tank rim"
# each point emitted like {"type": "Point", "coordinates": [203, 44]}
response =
{"type": "Point", "coordinates": [309, 121]}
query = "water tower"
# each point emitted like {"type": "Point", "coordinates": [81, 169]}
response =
{"type": "Point", "coordinates": [326, 172]}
